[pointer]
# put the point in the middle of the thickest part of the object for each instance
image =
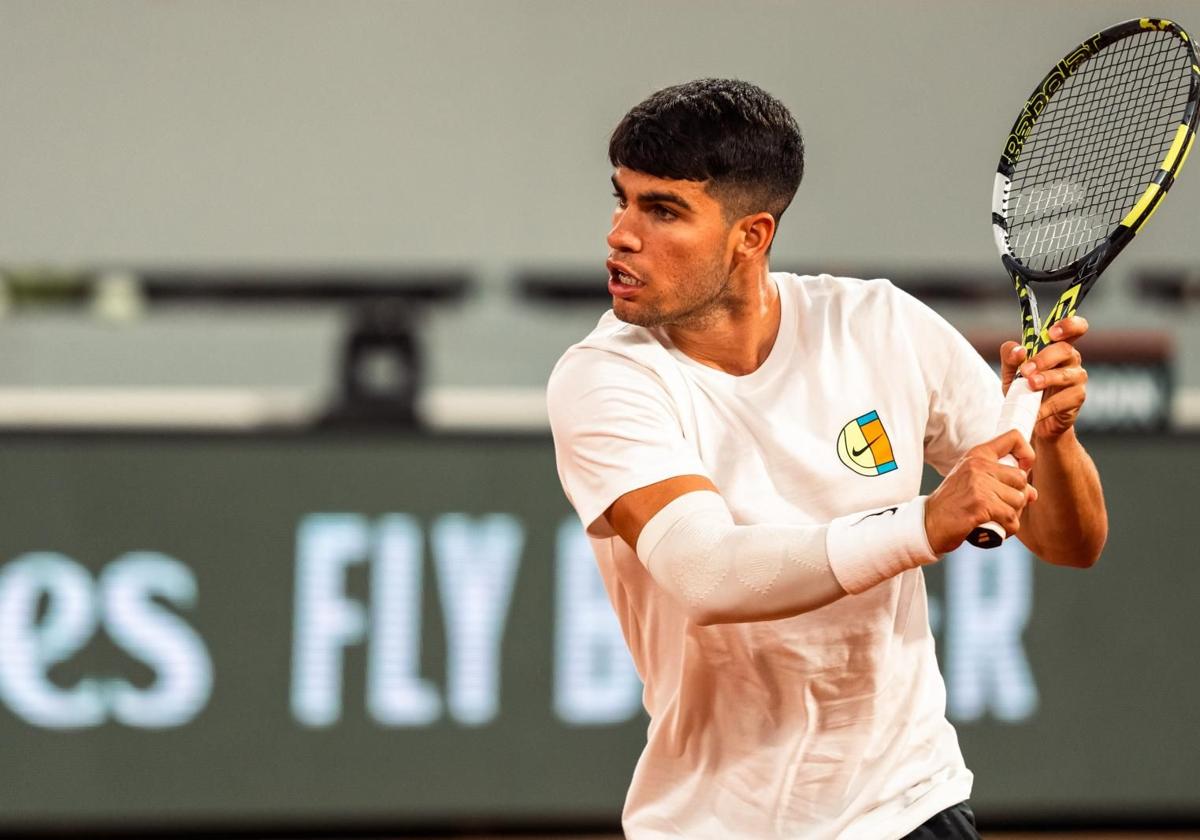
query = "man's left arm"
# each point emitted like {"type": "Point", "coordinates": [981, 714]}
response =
{"type": "Point", "coordinates": [1068, 524]}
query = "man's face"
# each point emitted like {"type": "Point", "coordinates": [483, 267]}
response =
{"type": "Point", "coordinates": [669, 251]}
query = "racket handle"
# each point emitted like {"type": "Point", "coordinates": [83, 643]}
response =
{"type": "Point", "coordinates": [1020, 411]}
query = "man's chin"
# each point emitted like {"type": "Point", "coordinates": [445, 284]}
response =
{"type": "Point", "coordinates": [631, 313]}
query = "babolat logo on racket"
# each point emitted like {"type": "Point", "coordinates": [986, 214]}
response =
{"type": "Point", "coordinates": [863, 446]}
{"type": "Point", "coordinates": [1049, 86]}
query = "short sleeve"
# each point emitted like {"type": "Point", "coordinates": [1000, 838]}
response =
{"type": "Point", "coordinates": [964, 392]}
{"type": "Point", "coordinates": [616, 429]}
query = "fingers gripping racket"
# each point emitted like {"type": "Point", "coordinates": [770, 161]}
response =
{"type": "Point", "coordinates": [1087, 163]}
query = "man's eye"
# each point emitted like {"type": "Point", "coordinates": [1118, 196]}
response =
{"type": "Point", "coordinates": [663, 213]}
{"type": "Point", "coordinates": [620, 200]}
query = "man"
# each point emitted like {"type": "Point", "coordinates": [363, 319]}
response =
{"type": "Point", "coordinates": [745, 450]}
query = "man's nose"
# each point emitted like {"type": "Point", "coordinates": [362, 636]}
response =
{"type": "Point", "coordinates": [622, 237]}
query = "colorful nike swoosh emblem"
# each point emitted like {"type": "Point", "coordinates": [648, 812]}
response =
{"type": "Point", "coordinates": [858, 452]}
{"type": "Point", "coordinates": [877, 457]}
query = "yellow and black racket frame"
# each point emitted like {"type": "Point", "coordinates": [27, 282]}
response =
{"type": "Point", "coordinates": [1083, 272]}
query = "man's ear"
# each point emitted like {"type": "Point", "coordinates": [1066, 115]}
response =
{"type": "Point", "coordinates": [754, 235]}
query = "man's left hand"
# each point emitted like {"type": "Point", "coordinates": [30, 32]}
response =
{"type": "Point", "coordinates": [1057, 371]}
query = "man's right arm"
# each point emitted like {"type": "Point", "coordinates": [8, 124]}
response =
{"type": "Point", "coordinates": [630, 513]}
{"type": "Point", "coordinates": [625, 465]}
{"type": "Point", "coordinates": [720, 572]}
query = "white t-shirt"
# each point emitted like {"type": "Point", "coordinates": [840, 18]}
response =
{"type": "Point", "coordinates": [829, 724]}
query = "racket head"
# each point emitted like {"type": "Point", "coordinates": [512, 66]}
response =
{"type": "Point", "coordinates": [1090, 157]}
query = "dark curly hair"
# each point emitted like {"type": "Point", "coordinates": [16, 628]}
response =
{"type": "Point", "coordinates": [732, 134]}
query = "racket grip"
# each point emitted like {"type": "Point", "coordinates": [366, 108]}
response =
{"type": "Point", "coordinates": [1020, 411]}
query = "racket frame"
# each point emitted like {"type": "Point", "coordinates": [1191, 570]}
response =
{"type": "Point", "coordinates": [1021, 403]}
{"type": "Point", "coordinates": [1082, 272]}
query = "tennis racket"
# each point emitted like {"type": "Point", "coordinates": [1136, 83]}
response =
{"type": "Point", "coordinates": [1085, 166]}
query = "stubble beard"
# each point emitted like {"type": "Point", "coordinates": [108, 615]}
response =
{"type": "Point", "coordinates": [702, 306]}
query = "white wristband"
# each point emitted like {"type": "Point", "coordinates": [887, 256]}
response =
{"type": "Point", "coordinates": [868, 547]}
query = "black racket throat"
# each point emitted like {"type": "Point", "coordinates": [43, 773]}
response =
{"type": "Point", "coordinates": [1071, 285]}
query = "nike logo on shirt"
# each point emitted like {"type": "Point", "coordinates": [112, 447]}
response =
{"type": "Point", "coordinates": [857, 452]}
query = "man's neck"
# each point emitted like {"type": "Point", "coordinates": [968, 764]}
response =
{"type": "Point", "coordinates": [738, 338]}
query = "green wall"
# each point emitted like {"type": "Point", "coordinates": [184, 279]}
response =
{"type": "Point", "coordinates": [403, 630]}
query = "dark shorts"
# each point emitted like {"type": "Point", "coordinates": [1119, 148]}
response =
{"type": "Point", "coordinates": [955, 823]}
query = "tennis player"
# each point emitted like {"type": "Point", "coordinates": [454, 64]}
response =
{"type": "Point", "coordinates": [745, 450]}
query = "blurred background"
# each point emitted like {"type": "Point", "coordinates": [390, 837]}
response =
{"type": "Point", "coordinates": [283, 548]}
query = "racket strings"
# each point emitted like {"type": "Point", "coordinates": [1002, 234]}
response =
{"type": "Point", "coordinates": [1073, 236]}
{"type": "Point", "coordinates": [1095, 148]}
{"type": "Point", "coordinates": [1104, 121]}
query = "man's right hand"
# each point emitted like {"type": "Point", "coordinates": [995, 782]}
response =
{"type": "Point", "coordinates": [980, 489]}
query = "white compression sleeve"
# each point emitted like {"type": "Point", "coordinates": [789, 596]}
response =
{"type": "Point", "coordinates": [723, 572]}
